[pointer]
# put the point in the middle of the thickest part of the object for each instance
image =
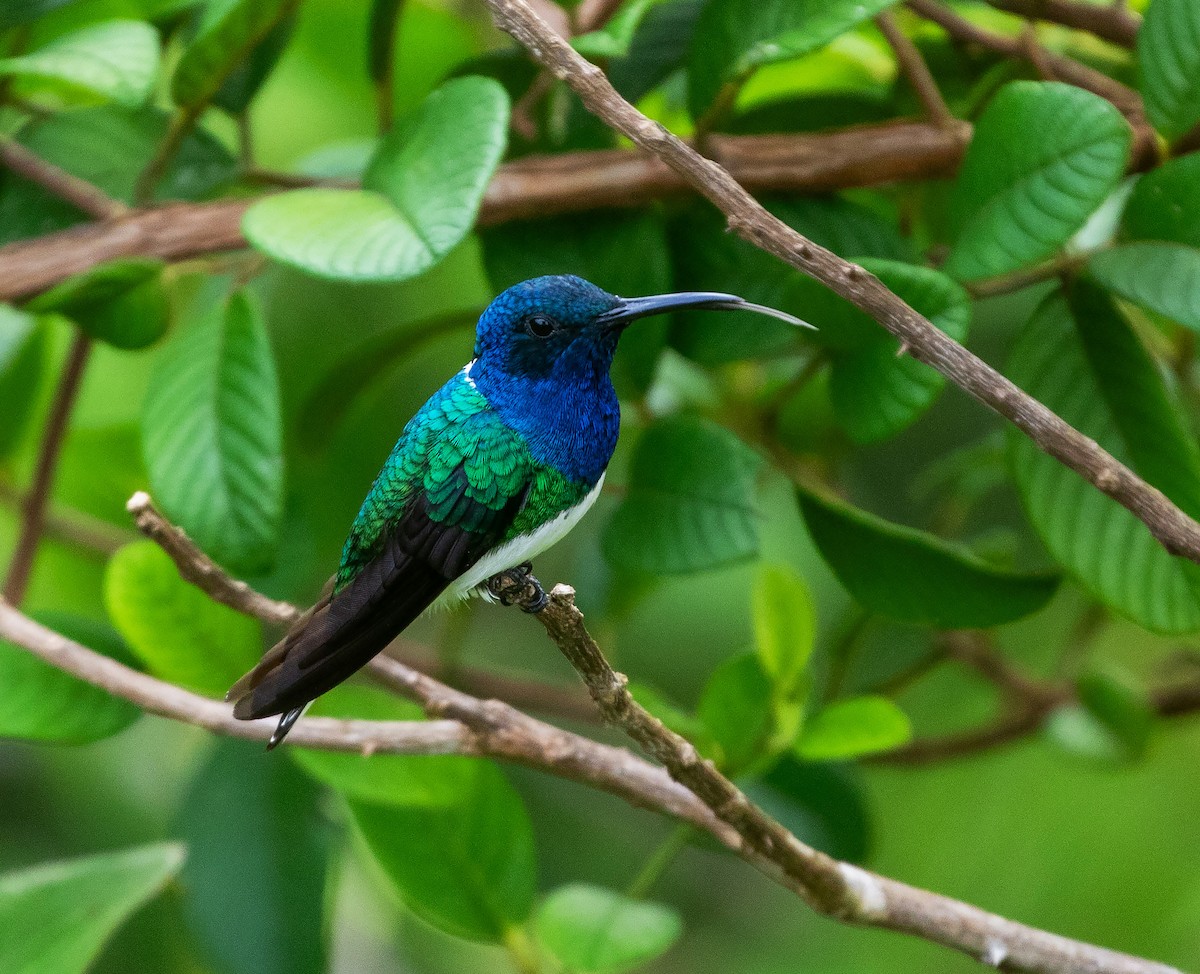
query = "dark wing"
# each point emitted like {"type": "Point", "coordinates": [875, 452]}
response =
{"type": "Point", "coordinates": [419, 557]}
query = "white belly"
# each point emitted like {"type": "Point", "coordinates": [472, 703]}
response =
{"type": "Point", "coordinates": [519, 549]}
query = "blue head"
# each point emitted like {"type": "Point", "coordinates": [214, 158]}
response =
{"type": "Point", "coordinates": [543, 350]}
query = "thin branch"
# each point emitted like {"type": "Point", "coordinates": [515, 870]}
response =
{"type": "Point", "coordinates": [79, 193]}
{"type": "Point", "coordinates": [846, 893]}
{"type": "Point", "coordinates": [1177, 532]}
{"type": "Point", "coordinates": [182, 123]}
{"type": "Point", "coordinates": [533, 187]}
{"type": "Point", "coordinates": [914, 68]}
{"type": "Point", "coordinates": [38, 498]}
{"type": "Point", "coordinates": [498, 730]}
{"type": "Point", "coordinates": [1112, 23]}
{"type": "Point", "coordinates": [90, 534]}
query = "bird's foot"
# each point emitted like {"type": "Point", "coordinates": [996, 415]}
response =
{"type": "Point", "coordinates": [518, 586]}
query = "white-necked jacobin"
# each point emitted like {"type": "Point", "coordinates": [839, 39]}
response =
{"type": "Point", "coordinates": [500, 463]}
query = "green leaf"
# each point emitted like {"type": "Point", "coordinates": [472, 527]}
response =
{"type": "Point", "coordinates": [39, 702]}
{"type": "Point", "coordinates": [690, 504]}
{"type": "Point", "coordinates": [708, 258]}
{"type": "Point", "coordinates": [615, 38]}
{"type": "Point", "coordinates": [1168, 47]}
{"type": "Point", "coordinates": [915, 577]}
{"type": "Point", "coordinates": [107, 146]}
{"type": "Point", "coordinates": [256, 874]}
{"type": "Point", "coordinates": [212, 436]}
{"type": "Point", "coordinates": [784, 625]}
{"type": "Point", "coordinates": [385, 779]}
{"type": "Point", "coordinates": [122, 302]}
{"type": "Point", "coordinates": [1122, 707]}
{"type": "Point", "coordinates": [174, 628]}
{"type": "Point", "coordinates": [1017, 199]}
{"type": "Point", "coordinates": [1161, 276]}
{"type": "Point", "coordinates": [1156, 208]}
{"type": "Point", "coordinates": [736, 707]}
{"type": "Point", "coordinates": [116, 59]}
{"type": "Point", "coordinates": [230, 31]}
{"type": "Point", "coordinates": [852, 728]}
{"type": "Point", "coordinates": [596, 931]}
{"type": "Point", "coordinates": [469, 868]}
{"type": "Point", "coordinates": [66, 911]}
{"type": "Point", "coordinates": [24, 344]}
{"type": "Point", "coordinates": [876, 392]}
{"type": "Point", "coordinates": [415, 207]}
{"type": "Point", "coordinates": [658, 49]}
{"type": "Point", "coordinates": [821, 803]}
{"type": "Point", "coordinates": [597, 248]}
{"type": "Point", "coordinates": [735, 37]}
{"type": "Point", "coordinates": [244, 82]}
{"type": "Point", "coordinates": [1079, 525]}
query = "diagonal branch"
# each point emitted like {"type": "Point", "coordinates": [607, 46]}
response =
{"type": "Point", "coordinates": [836, 889]}
{"type": "Point", "coordinates": [1111, 22]}
{"type": "Point", "coordinates": [914, 68]}
{"type": "Point", "coordinates": [1177, 532]}
{"type": "Point", "coordinates": [79, 193]}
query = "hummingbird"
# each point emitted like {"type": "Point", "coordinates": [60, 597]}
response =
{"type": "Point", "coordinates": [499, 464]}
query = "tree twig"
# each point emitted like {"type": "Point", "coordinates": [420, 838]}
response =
{"type": "Point", "coordinates": [536, 186]}
{"type": "Point", "coordinates": [498, 730]}
{"type": "Point", "coordinates": [1112, 22]}
{"type": "Point", "coordinates": [1177, 532]}
{"type": "Point", "coordinates": [91, 534]}
{"type": "Point", "coordinates": [914, 68]}
{"type": "Point", "coordinates": [38, 498]}
{"type": "Point", "coordinates": [79, 193]}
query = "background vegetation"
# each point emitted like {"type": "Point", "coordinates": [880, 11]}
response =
{"type": "Point", "coordinates": [921, 643]}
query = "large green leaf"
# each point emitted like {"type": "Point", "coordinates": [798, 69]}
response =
{"type": "Point", "coordinates": [107, 146]}
{"type": "Point", "coordinates": [690, 504]}
{"type": "Point", "coordinates": [784, 625]}
{"type": "Point", "coordinates": [708, 258]}
{"type": "Point", "coordinates": [212, 436]}
{"type": "Point", "coordinates": [1081, 527]}
{"type": "Point", "coordinates": [915, 577]}
{"type": "Point", "coordinates": [181, 634]}
{"type": "Point", "coordinates": [596, 931]}
{"type": "Point", "coordinates": [1018, 199]}
{"type": "Point", "coordinates": [23, 349]}
{"type": "Point", "coordinates": [42, 703]}
{"type": "Point", "coordinates": [1158, 207]}
{"type": "Point", "coordinates": [122, 302]}
{"type": "Point", "coordinates": [230, 31]}
{"type": "Point", "coordinates": [1168, 47]}
{"type": "Point", "coordinates": [116, 59]}
{"type": "Point", "coordinates": [58, 916]}
{"type": "Point", "coordinates": [852, 728]}
{"type": "Point", "coordinates": [734, 37]}
{"type": "Point", "coordinates": [1159, 275]}
{"type": "Point", "coordinates": [876, 392]}
{"type": "Point", "coordinates": [385, 779]}
{"type": "Point", "coordinates": [469, 868]}
{"type": "Point", "coordinates": [596, 248]}
{"type": "Point", "coordinates": [256, 873]}
{"type": "Point", "coordinates": [421, 193]}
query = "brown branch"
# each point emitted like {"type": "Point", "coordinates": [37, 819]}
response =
{"type": "Point", "coordinates": [1112, 23]}
{"type": "Point", "coordinates": [79, 193]}
{"type": "Point", "coordinates": [1064, 68]}
{"type": "Point", "coordinates": [837, 889]}
{"type": "Point", "coordinates": [497, 730]}
{"type": "Point", "coordinates": [91, 534]}
{"type": "Point", "coordinates": [532, 187]}
{"type": "Point", "coordinates": [914, 68]}
{"type": "Point", "coordinates": [34, 514]}
{"type": "Point", "coordinates": [1177, 532]}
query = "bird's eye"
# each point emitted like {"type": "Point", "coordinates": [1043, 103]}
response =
{"type": "Point", "coordinates": [539, 326]}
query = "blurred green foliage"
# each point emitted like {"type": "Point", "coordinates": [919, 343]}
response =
{"type": "Point", "coordinates": [790, 524]}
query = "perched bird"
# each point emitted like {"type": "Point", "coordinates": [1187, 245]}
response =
{"type": "Point", "coordinates": [500, 463]}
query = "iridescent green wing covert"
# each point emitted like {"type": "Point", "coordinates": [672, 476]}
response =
{"type": "Point", "coordinates": [451, 490]}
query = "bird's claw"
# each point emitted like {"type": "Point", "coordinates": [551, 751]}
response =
{"type": "Point", "coordinates": [518, 586]}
